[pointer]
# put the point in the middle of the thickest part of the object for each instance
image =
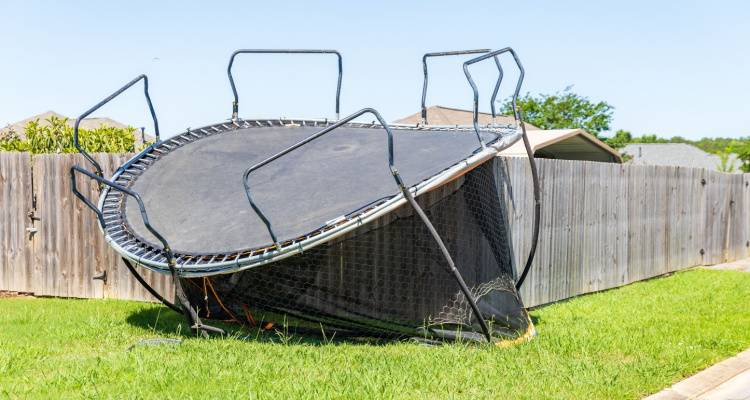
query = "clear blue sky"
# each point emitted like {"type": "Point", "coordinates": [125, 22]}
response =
{"type": "Point", "coordinates": [671, 68]}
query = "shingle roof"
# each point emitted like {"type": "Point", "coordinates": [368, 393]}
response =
{"type": "Point", "coordinates": [675, 154]}
{"type": "Point", "coordinates": [439, 115]}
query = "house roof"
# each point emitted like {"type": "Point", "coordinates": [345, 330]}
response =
{"type": "Point", "coordinates": [86, 123]}
{"type": "Point", "coordinates": [565, 144]}
{"type": "Point", "coordinates": [674, 154]}
{"type": "Point", "coordinates": [439, 115]}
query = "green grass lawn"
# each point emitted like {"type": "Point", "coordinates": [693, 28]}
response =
{"type": "Point", "coordinates": [623, 343]}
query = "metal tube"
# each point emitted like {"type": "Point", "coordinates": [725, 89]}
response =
{"type": "Point", "coordinates": [105, 101]}
{"type": "Point", "coordinates": [446, 254]}
{"type": "Point", "coordinates": [235, 103]}
{"type": "Point", "coordinates": [301, 143]}
{"type": "Point", "coordinates": [424, 68]}
{"type": "Point", "coordinates": [537, 208]}
{"type": "Point", "coordinates": [148, 287]}
{"type": "Point", "coordinates": [519, 120]}
{"type": "Point", "coordinates": [475, 119]}
{"type": "Point", "coordinates": [190, 314]}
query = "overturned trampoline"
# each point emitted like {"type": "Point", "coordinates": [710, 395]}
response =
{"type": "Point", "coordinates": [359, 228]}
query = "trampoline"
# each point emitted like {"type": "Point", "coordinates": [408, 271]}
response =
{"type": "Point", "coordinates": [362, 228]}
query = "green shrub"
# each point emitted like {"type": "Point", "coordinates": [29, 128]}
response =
{"type": "Point", "coordinates": [57, 137]}
{"type": "Point", "coordinates": [11, 142]}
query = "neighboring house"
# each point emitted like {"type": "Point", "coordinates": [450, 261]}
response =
{"type": "Point", "coordinates": [563, 144]}
{"type": "Point", "coordinates": [676, 154]}
{"type": "Point", "coordinates": [86, 123]}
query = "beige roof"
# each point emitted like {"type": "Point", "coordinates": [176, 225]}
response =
{"type": "Point", "coordinates": [565, 144]}
{"type": "Point", "coordinates": [86, 123]}
{"type": "Point", "coordinates": [439, 115]}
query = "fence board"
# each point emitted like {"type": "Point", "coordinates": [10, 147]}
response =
{"type": "Point", "coordinates": [606, 225]}
{"type": "Point", "coordinates": [15, 205]}
{"type": "Point", "coordinates": [69, 249]}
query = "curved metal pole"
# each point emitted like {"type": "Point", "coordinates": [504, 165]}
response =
{"type": "Point", "coordinates": [424, 69]}
{"type": "Point", "coordinates": [497, 89]}
{"type": "Point", "coordinates": [476, 91]}
{"type": "Point", "coordinates": [537, 207]}
{"type": "Point", "coordinates": [235, 103]}
{"type": "Point", "coordinates": [120, 188]}
{"type": "Point", "coordinates": [405, 190]}
{"type": "Point", "coordinates": [190, 314]}
{"type": "Point", "coordinates": [105, 101]}
{"type": "Point", "coordinates": [246, 175]}
{"type": "Point", "coordinates": [150, 289]}
{"type": "Point", "coordinates": [455, 53]}
{"type": "Point", "coordinates": [527, 145]}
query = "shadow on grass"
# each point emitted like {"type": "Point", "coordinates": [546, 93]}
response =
{"type": "Point", "coordinates": [163, 321]}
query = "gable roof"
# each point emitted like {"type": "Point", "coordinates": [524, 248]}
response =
{"type": "Point", "coordinates": [565, 144]}
{"type": "Point", "coordinates": [439, 115]}
{"type": "Point", "coordinates": [674, 154]}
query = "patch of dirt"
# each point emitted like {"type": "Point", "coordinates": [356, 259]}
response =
{"type": "Point", "coordinates": [6, 294]}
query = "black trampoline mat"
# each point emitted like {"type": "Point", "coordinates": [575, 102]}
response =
{"type": "Point", "coordinates": [195, 198]}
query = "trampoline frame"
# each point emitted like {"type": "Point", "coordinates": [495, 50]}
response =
{"type": "Point", "coordinates": [330, 230]}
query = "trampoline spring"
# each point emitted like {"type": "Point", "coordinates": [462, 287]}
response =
{"type": "Point", "coordinates": [119, 237]}
{"type": "Point", "coordinates": [139, 251]}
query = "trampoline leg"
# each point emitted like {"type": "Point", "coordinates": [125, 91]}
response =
{"type": "Point", "coordinates": [451, 265]}
{"type": "Point", "coordinates": [191, 315]}
{"type": "Point", "coordinates": [148, 287]}
{"type": "Point", "coordinates": [184, 308]}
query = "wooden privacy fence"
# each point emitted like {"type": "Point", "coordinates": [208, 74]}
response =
{"type": "Point", "coordinates": [603, 225]}
{"type": "Point", "coordinates": [606, 225]}
{"type": "Point", "coordinates": [50, 243]}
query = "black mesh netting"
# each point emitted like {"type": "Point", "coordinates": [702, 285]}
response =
{"type": "Point", "coordinates": [389, 278]}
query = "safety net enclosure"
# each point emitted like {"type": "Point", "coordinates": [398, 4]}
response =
{"type": "Point", "coordinates": [362, 228]}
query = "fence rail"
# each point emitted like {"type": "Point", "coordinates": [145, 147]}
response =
{"type": "Point", "coordinates": [603, 225]}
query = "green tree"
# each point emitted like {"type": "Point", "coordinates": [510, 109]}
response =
{"type": "Point", "coordinates": [620, 139]}
{"type": "Point", "coordinates": [564, 110]}
{"type": "Point", "coordinates": [743, 153]}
